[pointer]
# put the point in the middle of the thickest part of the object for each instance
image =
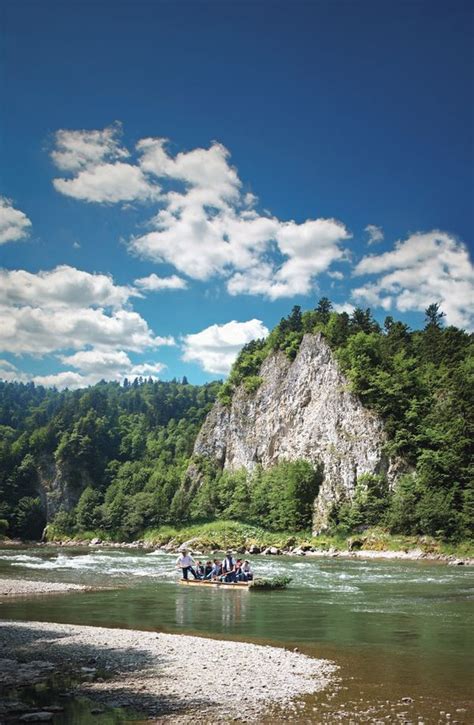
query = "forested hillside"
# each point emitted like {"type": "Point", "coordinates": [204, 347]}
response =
{"type": "Point", "coordinates": [134, 442]}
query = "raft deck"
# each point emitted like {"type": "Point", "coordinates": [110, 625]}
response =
{"type": "Point", "coordinates": [227, 585]}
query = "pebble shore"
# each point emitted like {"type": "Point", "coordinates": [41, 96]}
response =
{"type": "Point", "coordinates": [176, 678]}
{"type": "Point", "coordinates": [22, 587]}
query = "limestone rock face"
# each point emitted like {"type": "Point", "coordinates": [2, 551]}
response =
{"type": "Point", "coordinates": [59, 487]}
{"type": "Point", "coordinates": [302, 410]}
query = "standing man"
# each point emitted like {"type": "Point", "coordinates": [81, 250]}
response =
{"type": "Point", "coordinates": [185, 563]}
{"type": "Point", "coordinates": [228, 568]}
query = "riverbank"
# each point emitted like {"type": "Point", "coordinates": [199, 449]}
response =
{"type": "Point", "coordinates": [25, 587]}
{"type": "Point", "coordinates": [217, 536]}
{"type": "Point", "coordinates": [176, 677]}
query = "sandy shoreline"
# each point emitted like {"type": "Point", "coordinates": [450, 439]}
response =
{"type": "Point", "coordinates": [175, 677]}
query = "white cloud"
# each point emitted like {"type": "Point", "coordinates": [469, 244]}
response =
{"type": "Point", "coordinates": [38, 331]}
{"type": "Point", "coordinates": [100, 174]}
{"type": "Point", "coordinates": [375, 234]}
{"type": "Point", "coordinates": [5, 365]}
{"type": "Point", "coordinates": [216, 347]}
{"type": "Point", "coordinates": [109, 364]}
{"type": "Point", "coordinates": [66, 308]}
{"type": "Point", "coordinates": [91, 366]}
{"type": "Point", "coordinates": [14, 224]}
{"type": "Point", "coordinates": [146, 370]}
{"type": "Point", "coordinates": [425, 268]}
{"type": "Point", "coordinates": [63, 286]}
{"type": "Point", "coordinates": [206, 170]}
{"type": "Point", "coordinates": [8, 371]}
{"type": "Point", "coordinates": [336, 275]}
{"type": "Point", "coordinates": [95, 365]}
{"type": "Point", "coordinates": [206, 224]}
{"type": "Point", "coordinates": [76, 150]}
{"type": "Point", "coordinates": [108, 183]}
{"type": "Point", "coordinates": [237, 243]}
{"type": "Point", "coordinates": [343, 307]}
{"type": "Point", "coordinates": [101, 362]}
{"type": "Point", "coordinates": [68, 379]}
{"type": "Point", "coordinates": [153, 283]}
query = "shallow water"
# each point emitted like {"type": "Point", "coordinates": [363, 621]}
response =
{"type": "Point", "coordinates": [395, 628]}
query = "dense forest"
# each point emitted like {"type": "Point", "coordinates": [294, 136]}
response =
{"type": "Point", "coordinates": [125, 448]}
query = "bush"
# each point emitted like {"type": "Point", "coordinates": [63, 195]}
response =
{"type": "Point", "coordinates": [276, 582]}
{"type": "Point", "coordinates": [252, 383]}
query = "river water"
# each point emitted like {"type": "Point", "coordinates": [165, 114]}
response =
{"type": "Point", "coordinates": [396, 629]}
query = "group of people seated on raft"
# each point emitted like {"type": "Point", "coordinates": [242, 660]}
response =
{"type": "Point", "coordinates": [229, 570]}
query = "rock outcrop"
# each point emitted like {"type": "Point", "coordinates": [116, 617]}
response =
{"type": "Point", "coordinates": [59, 486]}
{"type": "Point", "coordinates": [302, 410]}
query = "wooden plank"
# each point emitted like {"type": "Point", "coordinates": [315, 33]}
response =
{"type": "Point", "coordinates": [227, 585]}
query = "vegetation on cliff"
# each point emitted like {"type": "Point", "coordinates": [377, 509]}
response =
{"type": "Point", "coordinates": [421, 384]}
{"type": "Point", "coordinates": [124, 450]}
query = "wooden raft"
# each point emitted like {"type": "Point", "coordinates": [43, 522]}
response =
{"type": "Point", "coordinates": [227, 585]}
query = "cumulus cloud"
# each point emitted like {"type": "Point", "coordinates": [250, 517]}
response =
{"type": "Point", "coordinates": [310, 248]}
{"type": "Point", "coordinates": [38, 331]}
{"type": "Point", "coordinates": [108, 183]}
{"type": "Point", "coordinates": [14, 224]}
{"type": "Point", "coordinates": [90, 366]}
{"type": "Point", "coordinates": [425, 268]}
{"type": "Point", "coordinates": [216, 347]}
{"type": "Point", "coordinates": [85, 320]}
{"type": "Point", "coordinates": [153, 283]}
{"type": "Point", "coordinates": [100, 174]}
{"type": "Point", "coordinates": [96, 364]}
{"type": "Point", "coordinates": [206, 224]}
{"type": "Point", "coordinates": [375, 234]}
{"type": "Point", "coordinates": [66, 308]}
{"type": "Point", "coordinates": [63, 286]}
{"type": "Point", "coordinates": [204, 170]}
{"type": "Point", "coordinates": [210, 228]}
{"type": "Point", "coordinates": [76, 150]}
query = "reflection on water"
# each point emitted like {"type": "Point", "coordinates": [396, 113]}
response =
{"type": "Point", "coordinates": [228, 605]}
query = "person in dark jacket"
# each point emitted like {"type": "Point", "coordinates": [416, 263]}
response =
{"type": "Point", "coordinates": [228, 568]}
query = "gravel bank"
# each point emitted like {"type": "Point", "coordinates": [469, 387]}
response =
{"type": "Point", "coordinates": [22, 587]}
{"type": "Point", "coordinates": [175, 677]}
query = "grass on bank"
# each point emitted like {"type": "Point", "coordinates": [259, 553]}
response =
{"type": "Point", "coordinates": [221, 535]}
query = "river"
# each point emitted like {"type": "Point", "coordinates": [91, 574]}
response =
{"type": "Point", "coordinates": [396, 629]}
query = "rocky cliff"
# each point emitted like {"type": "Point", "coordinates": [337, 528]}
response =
{"type": "Point", "coordinates": [302, 410]}
{"type": "Point", "coordinates": [59, 486]}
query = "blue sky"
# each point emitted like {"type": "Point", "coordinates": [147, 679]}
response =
{"type": "Point", "coordinates": [317, 148]}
